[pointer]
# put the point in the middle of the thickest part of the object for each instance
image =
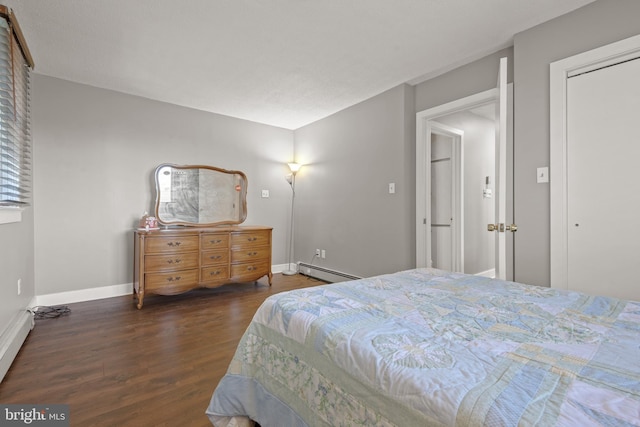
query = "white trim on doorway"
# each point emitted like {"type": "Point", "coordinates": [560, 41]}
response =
{"type": "Point", "coordinates": [560, 71]}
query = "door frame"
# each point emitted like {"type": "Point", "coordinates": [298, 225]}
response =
{"type": "Point", "coordinates": [423, 164]}
{"type": "Point", "coordinates": [457, 184]}
{"type": "Point", "coordinates": [560, 71]}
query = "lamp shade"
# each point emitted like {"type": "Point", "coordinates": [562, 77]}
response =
{"type": "Point", "coordinates": [295, 167]}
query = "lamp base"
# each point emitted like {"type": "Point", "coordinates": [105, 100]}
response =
{"type": "Point", "coordinates": [289, 272]}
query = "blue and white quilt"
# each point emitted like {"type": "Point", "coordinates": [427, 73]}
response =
{"type": "Point", "coordinates": [430, 348]}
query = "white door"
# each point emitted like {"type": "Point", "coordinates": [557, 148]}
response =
{"type": "Point", "coordinates": [603, 177]}
{"type": "Point", "coordinates": [501, 173]}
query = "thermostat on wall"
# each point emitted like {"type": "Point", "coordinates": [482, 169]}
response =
{"type": "Point", "coordinates": [542, 175]}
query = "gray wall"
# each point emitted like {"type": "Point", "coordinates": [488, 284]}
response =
{"type": "Point", "coordinates": [16, 262]}
{"type": "Point", "coordinates": [95, 153]}
{"type": "Point", "coordinates": [592, 26]}
{"type": "Point", "coordinates": [467, 80]}
{"type": "Point", "coordinates": [342, 201]}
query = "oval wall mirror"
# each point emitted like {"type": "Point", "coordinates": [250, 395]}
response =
{"type": "Point", "coordinates": [196, 195]}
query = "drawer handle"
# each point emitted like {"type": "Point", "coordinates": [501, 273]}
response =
{"type": "Point", "coordinates": [214, 273]}
{"type": "Point", "coordinates": [252, 253]}
{"type": "Point", "coordinates": [176, 261]}
{"type": "Point", "coordinates": [174, 279]}
{"type": "Point", "coordinates": [251, 268]}
{"type": "Point", "coordinates": [215, 257]}
{"type": "Point", "coordinates": [213, 242]}
{"type": "Point", "coordinates": [252, 239]}
{"type": "Point", "coordinates": [174, 244]}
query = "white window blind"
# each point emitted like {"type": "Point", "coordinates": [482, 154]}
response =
{"type": "Point", "coordinates": [15, 134]}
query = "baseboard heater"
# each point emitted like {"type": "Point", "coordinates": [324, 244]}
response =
{"type": "Point", "coordinates": [12, 339]}
{"type": "Point", "coordinates": [323, 273]}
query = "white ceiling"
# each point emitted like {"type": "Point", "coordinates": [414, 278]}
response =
{"type": "Point", "coordinates": [285, 63]}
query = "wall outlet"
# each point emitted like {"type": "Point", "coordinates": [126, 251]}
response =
{"type": "Point", "coordinates": [19, 286]}
{"type": "Point", "coordinates": [265, 194]}
{"type": "Point", "coordinates": [317, 252]}
{"type": "Point", "coordinates": [324, 254]}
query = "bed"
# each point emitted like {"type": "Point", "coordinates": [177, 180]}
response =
{"type": "Point", "coordinates": [426, 347]}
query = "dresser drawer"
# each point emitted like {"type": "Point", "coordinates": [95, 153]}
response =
{"type": "Point", "coordinates": [214, 241]}
{"type": "Point", "coordinates": [214, 257]}
{"type": "Point", "coordinates": [251, 238]}
{"type": "Point", "coordinates": [159, 244]}
{"type": "Point", "coordinates": [170, 262]}
{"type": "Point", "coordinates": [249, 271]}
{"type": "Point", "coordinates": [261, 253]}
{"type": "Point", "coordinates": [171, 283]}
{"type": "Point", "coordinates": [214, 273]}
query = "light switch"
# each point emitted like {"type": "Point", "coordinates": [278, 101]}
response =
{"type": "Point", "coordinates": [265, 193]}
{"type": "Point", "coordinates": [392, 187]}
{"type": "Point", "coordinates": [542, 175]}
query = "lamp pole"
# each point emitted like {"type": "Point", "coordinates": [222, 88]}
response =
{"type": "Point", "coordinates": [294, 169]}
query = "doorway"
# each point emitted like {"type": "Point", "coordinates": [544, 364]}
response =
{"type": "Point", "coordinates": [488, 188]}
{"type": "Point", "coordinates": [594, 164]}
{"type": "Point", "coordinates": [462, 192]}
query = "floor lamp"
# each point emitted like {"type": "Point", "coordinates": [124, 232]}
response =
{"type": "Point", "coordinates": [295, 167]}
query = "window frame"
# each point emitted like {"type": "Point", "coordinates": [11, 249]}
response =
{"type": "Point", "coordinates": [12, 212]}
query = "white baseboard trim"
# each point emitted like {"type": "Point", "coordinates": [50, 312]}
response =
{"type": "Point", "coordinates": [489, 273]}
{"type": "Point", "coordinates": [279, 268]}
{"type": "Point", "coordinates": [12, 339]}
{"type": "Point", "coordinates": [81, 295]}
{"type": "Point", "coordinates": [91, 294]}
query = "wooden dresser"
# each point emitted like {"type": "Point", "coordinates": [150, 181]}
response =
{"type": "Point", "coordinates": [173, 261]}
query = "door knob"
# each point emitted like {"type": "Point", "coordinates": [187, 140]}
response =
{"type": "Point", "coordinates": [513, 228]}
{"type": "Point", "coordinates": [492, 227]}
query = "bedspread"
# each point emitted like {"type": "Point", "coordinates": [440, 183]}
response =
{"type": "Point", "coordinates": [426, 347]}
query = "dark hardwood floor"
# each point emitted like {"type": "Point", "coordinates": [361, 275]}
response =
{"type": "Point", "coordinates": [115, 365]}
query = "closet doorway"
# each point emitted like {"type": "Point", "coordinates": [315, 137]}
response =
{"type": "Point", "coordinates": [594, 152]}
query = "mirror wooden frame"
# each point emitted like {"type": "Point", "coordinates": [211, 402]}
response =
{"type": "Point", "coordinates": [200, 195]}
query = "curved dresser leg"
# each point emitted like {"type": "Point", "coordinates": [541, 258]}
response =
{"type": "Point", "coordinates": [140, 297]}
{"type": "Point", "coordinates": [270, 276]}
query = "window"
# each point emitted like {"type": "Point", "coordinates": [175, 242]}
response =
{"type": "Point", "coordinates": [15, 136]}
